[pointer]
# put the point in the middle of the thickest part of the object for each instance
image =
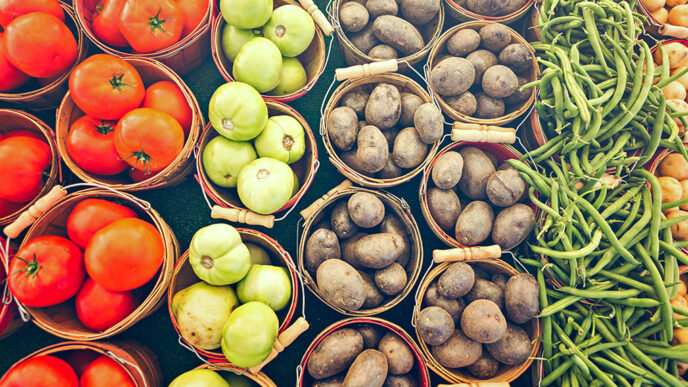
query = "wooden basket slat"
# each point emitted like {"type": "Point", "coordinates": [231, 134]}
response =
{"type": "Point", "coordinates": [260, 378]}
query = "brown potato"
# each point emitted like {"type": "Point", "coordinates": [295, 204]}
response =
{"type": "Point", "coordinates": [513, 225]}
{"type": "Point", "coordinates": [446, 171]}
{"type": "Point", "coordinates": [489, 107]}
{"type": "Point", "coordinates": [365, 39]}
{"type": "Point", "coordinates": [390, 134]}
{"type": "Point", "coordinates": [674, 165]}
{"type": "Point", "coordinates": [486, 290]}
{"type": "Point", "coordinates": [458, 351]}
{"type": "Point", "coordinates": [480, 272]}
{"type": "Point", "coordinates": [399, 356]}
{"type": "Point", "coordinates": [409, 103]}
{"type": "Point", "coordinates": [400, 381]}
{"type": "Point", "coordinates": [521, 297]}
{"type": "Point", "coordinates": [398, 33]}
{"type": "Point", "coordinates": [435, 325]}
{"type": "Point", "coordinates": [477, 169]}
{"type": "Point", "coordinates": [370, 334]}
{"type": "Point", "coordinates": [463, 42]}
{"type": "Point", "coordinates": [495, 37]}
{"type": "Point", "coordinates": [372, 152]}
{"type": "Point", "coordinates": [505, 187]}
{"type": "Point", "coordinates": [513, 6]}
{"type": "Point", "coordinates": [512, 349]}
{"type": "Point", "coordinates": [340, 284]}
{"type": "Point", "coordinates": [366, 210]}
{"type": "Point", "coordinates": [499, 280]}
{"type": "Point", "coordinates": [519, 95]}
{"type": "Point", "coordinates": [456, 281]}
{"type": "Point", "coordinates": [483, 322]}
{"type": "Point", "coordinates": [452, 76]}
{"type": "Point", "coordinates": [671, 189]}
{"type": "Point", "coordinates": [321, 246]}
{"type": "Point", "coordinates": [334, 353]}
{"type": "Point", "coordinates": [384, 106]}
{"type": "Point", "coordinates": [429, 123]}
{"type": "Point", "coordinates": [373, 297]}
{"type": "Point", "coordinates": [353, 16]}
{"type": "Point", "coordinates": [444, 206]}
{"type": "Point", "coordinates": [378, 250]}
{"type": "Point", "coordinates": [383, 51]}
{"type": "Point", "coordinates": [481, 61]}
{"type": "Point", "coordinates": [474, 224]}
{"type": "Point", "coordinates": [679, 231]}
{"type": "Point", "coordinates": [499, 81]}
{"type": "Point", "coordinates": [453, 306]}
{"type": "Point", "coordinates": [390, 170]}
{"type": "Point", "coordinates": [391, 224]}
{"type": "Point", "coordinates": [484, 368]}
{"type": "Point", "coordinates": [341, 222]}
{"type": "Point", "coordinates": [487, 7]}
{"type": "Point", "coordinates": [356, 99]}
{"type": "Point", "coordinates": [516, 56]}
{"type": "Point", "coordinates": [368, 370]}
{"type": "Point", "coordinates": [464, 103]}
{"type": "Point", "coordinates": [348, 251]}
{"type": "Point", "coordinates": [409, 149]}
{"type": "Point", "coordinates": [335, 381]}
{"type": "Point", "coordinates": [420, 12]}
{"type": "Point", "coordinates": [349, 158]}
{"type": "Point", "coordinates": [342, 127]}
{"type": "Point", "coordinates": [377, 8]}
{"type": "Point", "coordinates": [391, 280]}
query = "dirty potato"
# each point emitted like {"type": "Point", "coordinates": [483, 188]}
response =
{"type": "Point", "coordinates": [372, 151]}
{"type": "Point", "coordinates": [365, 39]}
{"type": "Point", "coordinates": [452, 76]}
{"type": "Point", "coordinates": [513, 225]}
{"type": "Point", "coordinates": [366, 210]}
{"type": "Point", "coordinates": [368, 370]}
{"type": "Point", "coordinates": [390, 170]}
{"type": "Point", "coordinates": [342, 127]}
{"type": "Point", "coordinates": [398, 33]}
{"type": "Point", "coordinates": [517, 56]}
{"type": "Point", "coordinates": [521, 297]}
{"type": "Point", "coordinates": [356, 99]}
{"type": "Point", "coordinates": [486, 290]}
{"type": "Point", "coordinates": [353, 16]}
{"type": "Point", "coordinates": [370, 334]}
{"type": "Point", "coordinates": [489, 107]}
{"type": "Point", "coordinates": [446, 171]}
{"type": "Point", "coordinates": [376, 251]}
{"type": "Point", "coordinates": [475, 223]}
{"type": "Point", "coordinates": [383, 51]}
{"type": "Point", "coordinates": [334, 353]}
{"type": "Point", "coordinates": [400, 358]}
{"type": "Point", "coordinates": [340, 284]}
{"type": "Point", "coordinates": [512, 349]}
{"type": "Point", "coordinates": [444, 206]}
{"type": "Point", "coordinates": [400, 381]}
{"type": "Point", "coordinates": [483, 321]}
{"type": "Point", "coordinates": [463, 42]}
{"type": "Point", "coordinates": [499, 81]}
{"type": "Point", "coordinates": [391, 280]}
{"type": "Point", "coordinates": [481, 61]}
{"type": "Point", "coordinates": [495, 37]}
{"type": "Point", "coordinates": [458, 351]}
{"type": "Point", "coordinates": [484, 368]}
{"type": "Point", "coordinates": [435, 325]}
{"type": "Point", "coordinates": [384, 106]}
{"type": "Point", "coordinates": [505, 187]}
{"type": "Point", "coordinates": [453, 306]}
{"type": "Point", "coordinates": [477, 169]}
{"type": "Point", "coordinates": [341, 222]}
{"type": "Point", "coordinates": [373, 297]}
{"type": "Point", "coordinates": [409, 103]}
{"type": "Point", "coordinates": [392, 225]}
{"type": "Point", "coordinates": [519, 95]}
{"type": "Point", "coordinates": [487, 7]}
{"type": "Point", "coordinates": [420, 12]}
{"type": "Point", "coordinates": [321, 246]}
{"type": "Point", "coordinates": [347, 247]}
{"type": "Point", "coordinates": [429, 123]}
{"type": "Point", "coordinates": [456, 281]}
{"type": "Point", "coordinates": [409, 150]}
{"type": "Point", "coordinates": [464, 103]}
{"type": "Point", "coordinates": [377, 8]}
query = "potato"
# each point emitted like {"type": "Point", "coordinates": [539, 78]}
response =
{"type": "Point", "coordinates": [435, 325]}
{"type": "Point", "coordinates": [453, 306]}
{"type": "Point", "coordinates": [409, 103]}
{"type": "Point", "coordinates": [678, 55]}
{"type": "Point", "coordinates": [486, 290]}
{"type": "Point", "coordinates": [429, 123]}
{"type": "Point", "coordinates": [321, 246]}
{"type": "Point", "coordinates": [483, 321]}
{"type": "Point", "coordinates": [390, 170]}
{"type": "Point", "coordinates": [378, 8]}
{"type": "Point", "coordinates": [495, 36]}
{"type": "Point", "coordinates": [409, 150]}
{"type": "Point", "coordinates": [391, 280]}
{"type": "Point", "coordinates": [348, 251]}
{"type": "Point", "coordinates": [513, 6]}
{"type": "Point", "coordinates": [349, 158]}
{"type": "Point", "coordinates": [499, 81]}
{"type": "Point", "coordinates": [398, 33]}
{"type": "Point", "coordinates": [653, 5]}
{"type": "Point", "coordinates": [674, 165]}
{"type": "Point", "coordinates": [487, 7]}
{"type": "Point", "coordinates": [481, 61]}
{"type": "Point", "coordinates": [390, 134]}
{"type": "Point", "coordinates": [399, 356]}
{"type": "Point", "coordinates": [675, 3]}
{"type": "Point", "coordinates": [680, 106]}
{"type": "Point", "coordinates": [365, 39]}
{"type": "Point", "coordinates": [516, 56]}
{"type": "Point", "coordinates": [671, 189]}
{"type": "Point", "coordinates": [340, 284]}
{"type": "Point", "coordinates": [684, 189]}
{"type": "Point", "coordinates": [368, 370]}
{"type": "Point", "coordinates": [499, 280]}
{"type": "Point", "coordinates": [334, 353]}
{"type": "Point", "coordinates": [372, 151]}
{"type": "Point", "coordinates": [420, 12]}
{"type": "Point", "coordinates": [366, 210]}
{"type": "Point", "coordinates": [356, 99]}
{"type": "Point", "coordinates": [384, 106]}
{"type": "Point", "coordinates": [463, 103]}
{"type": "Point", "coordinates": [452, 76]}
{"type": "Point", "coordinates": [681, 302]}
{"type": "Point", "coordinates": [477, 169]}
{"type": "Point", "coordinates": [383, 51]}
{"type": "Point", "coordinates": [370, 334]}
{"type": "Point", "coordinates": [444, 207]}
{"type": "Point", "coordinates": [458, 351]}
{"type": "Point", "coordinates": [484, 368]}
{"type": "Point", "coordinates": [335, 381]}
{"type": "Point", "coordinates": [342, 127]}
{"type": "Point", "coordinates": [489, 107]}
{"type": "Point", "coordinates": [373, 297]}
{"type": "Point", "coordinates": [391, 224]}
{"type": "Point", "coordinates": [683, 79]}
{"type": "Point", "coordinates": [512, 349]}
{"type": "Point", "coordinates": [679, 231]}
{"type": "Point", "coordinates": [456, 281]}
{"type": "Point", "coordinates": [681, 335]}
{"type": "Point", "coordinates": [474, 224]}
{"type": "Point", "coordinates": [400, 381]}
{"type": "Point", "coordinates": [463, 42]}
{"type": "Point", "coordinates": [341, 222]}
{"type": "Point", "coordinates": [521, 297]}
{"type": "Point", "coordinates": [513, 225]}
{"type": "Point", "coordinates": [505, 187]}
{"type": "Point", "coordinates": [674, 90]}
{"type": "Point", "coordinates": [661, 15]}
{"type": "Point", "coordinates": [378, 250]}
{"type": "Point", "coordinates": [519, 95]}
{"type": "Point", "coordinates": [481, 273]}
{"type": "Point", "coordinates": [353, 16]}
{"type": "Point", "coordinates": [446, 171]}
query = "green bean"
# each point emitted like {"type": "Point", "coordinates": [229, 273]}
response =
{"type": "Point", "coordinates": [597, 237]}
{"type": "Point", "coordinates": [577, 352]}
{"type": "Point", "coordinates": [656, 210]}
{"type": "Point", "coordinates": [658, 284]}
{"type": "Point", "coordinates": [639, 302]}
{"type": "Point", "coordinates": [610, 294]}
{"type": "Point", "coordinates": [654, 367]}
{"type": "Point", "coordinates": [627, 281]}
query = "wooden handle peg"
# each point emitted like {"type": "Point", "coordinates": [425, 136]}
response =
{"type": "Point", "coordinates": [386, 66]}
{"type": "Point", "coordinates": [462, 131]}
{"type": "Point", "coordinates": [478, 384]}
{"type": "Point", "coordinates": [461, 254]}
{"type": "Point", "coordinates": [283, 340]}
{"type": "Point", "coordinates": [317, 15]}
{"type": "Point", "coordinates": [239, 215]}
{"type": "Point", "coordinates": [307, 212]}
{"type": "Point", "coordinates": [28, 217]}
{"type": "Point", "coordinates": [673, 31]}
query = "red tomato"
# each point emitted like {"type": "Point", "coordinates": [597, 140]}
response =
{"type": "Point", "coordinates": [41, 371]}
{"type": "Point", "coordinates": [99, 309]}
{"type": "Point", "coordinates": [25, 133]}
{"type": "Point", "coordinates": [148, 139]}
{"type": "Point", "coordinates": [10, 76]}
{"type": "Point", "coordinates": [151, 25]}
{"type": "Point", "coordinates": [105, 372]}
{"type": "Point", "coordinates": [80, 359]}
{"type": "Point", "coordinates": [105, 23]}
{"type": "Point", "coordinates": [40, 45]}
{"type": "Point", "coordinates": [91, 144]}
{"type": "Point", "coordinates": [106, 87]}
{"type": "Point", "coordinates": [168, 97]}
{"type": "Point", "coordinates": [90, 215]}
{"type": "Point", "coordinates": [46, 271]}
{"type": "Point", "coordinates": [125, 254]}
{"type": "Point", "coordinates": [11, 9]}
{"type": "Point", "coordinates": [22, 161]}
{"type": "Point", "coordinates": [194, 12]}
{"type": "Point", "coordinates": [8, 208]}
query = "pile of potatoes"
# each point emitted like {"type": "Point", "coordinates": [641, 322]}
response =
{"type": "Point", "coordinates": [480, 72]}
{"type": "Point", "coordinates": [673, 181]}
{"type": "Point", "coordinates": [362, 356]}
{"type": "Point", "coordinates": [674, 12]}
{"type": "Point", "coordinates": [675, 92]}
{"type": "Point", "coordinates": [382, 132]}
{"type": "Point", "coordinates": [486, 188]}
{"type": "Point", "coordinates": [492, 8]}
{"type": "Point", "coordinates": [387, 29]}
{"type": "Point", "coordinates": [472, 319]}
{"type": "Point", "coordinates": [359, 253]}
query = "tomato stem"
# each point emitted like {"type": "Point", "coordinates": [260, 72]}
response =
{"type": "Point", "coordinates": [105, 128]}
{"type": "Point", "coordinates": [99, 7]}
{"type": "Point", "coordinates": [117, 83]}
{"type": "Point", "coordinates": [32, 267]}
{"type": "Point", "coordinates": [143, 157]}
{"type": "Point", "coordinates": [156, 23]}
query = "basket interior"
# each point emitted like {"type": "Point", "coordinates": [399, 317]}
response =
{"type": "Point", "coordinates": [223, 368]}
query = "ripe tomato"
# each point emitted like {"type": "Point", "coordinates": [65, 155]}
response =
{"type": "Point", "coordinates": [24, 133]}
{"type": "Point", "coordinates": [40, 45]}
{"type": "Point", "coordinates": [90, 215]}
{"type": "Point", "coordinates": [148, 139]}
{"type": "Point", "coordinates": [105, 372]}
{"type": "Point", "coordinates": [91, 144]}
{"type": "Point", "coordinates": [10, 76]}
{"type": "Point", "coordinates": [99, 309]}
{"type": "Point", "coordinates": [41, 371]}
{"type": "Point", "coordinates": [22, 161]}
{"type": "Point", "coordinates": [105, 22]}
{"type": "Point", "coordinates": [80, 359]}
{"type": "Point", "coordinates": [46, 271]}
{"type": "Point", "coordinates": [11, 9]}
{"type": "Point", "coordinates": [194, 11]}
{"type": "Point", "coordinates": [168, 97]}
{"type": "Point", "coordinates": [151, 25]}
{"type": "Point", "coordinates": [8, 208]}
{"type": "Point", "coordinates": [125, 254]}
{"type": "Point", "coordinates": [106, 87]}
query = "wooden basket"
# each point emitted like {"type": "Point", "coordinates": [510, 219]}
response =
{"type": "Point", "coordinates": [184, 277]}
{"type": "Point", "coordinates": [61, 320]}
{"type": "Point", "coordinates": [9, 318]}
{"type": "Point", "coordinates": [229, 206]}
{"type": "Point", "coordinates": [185, 55]}
{"type": "Point", "coordinates": [17, 120]}
{"type": "Point", "coordinates": [353, 56]}
{"type": "Point", "coordinates": [259, 378]}
{"type": "Point", "coordinates": [317, 211]}
{"type": "Point", "coordinates": [151, 71]}
{"type": "Point", "coordinates": [440, 49]}
{"type": "Point", "coordinates": [313, 59]}
{"type": "Point", "coordinates": [47, 96]}
{"type": "Point", "coordinates": [404, 84]}
{"type": "Point", "coordinates": [506, 373]}
{"type": "Point", "coordinates": [139, 362]}
{"type": "Point", "coordinates": [419, 368]}
{"type": "Point", "coordinates": [530, 32]}
{"type": "Point", "coordinates": [656, 28]}
{"type": "Point", "coordinates": [464, 15]}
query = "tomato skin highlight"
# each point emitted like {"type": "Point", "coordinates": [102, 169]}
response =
{"type": "Point", "coordinates": [91, 215]}
{"type": "Point", "coordinates": [194, 12]}
{"type": "Point", "coordinates": [11, 9]}
{"type": "Point", "coordinates": [99, 309]}
{"type": "Point", "coordinates": [151, 25]}
{"type": "Point", "coordinates": [105, 372]}
{"type": "Point", "coordinates": [168, 97]}
{"type": "Point", "coordinates": [105, 23]}
{"type": "Point", "coordinates": [41, 371]}
{"type": "Point", "coordinates": [22, 161]}
{"type": "Point", "coordinates": [91, 144]}
{"type": "Point", "coordinates": [10, 77]}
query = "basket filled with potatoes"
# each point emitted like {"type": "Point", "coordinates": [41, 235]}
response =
{"type": "Point", "coordinates": [477, 321]}
{"type": "Point", "coordinates": [360, 250]}
{"type": "Point", "coordinates": [503, 11]}
{"type": "Point", "coordinates": [665, 17]}
{"type": "Point", "coordinates": [671, 170]}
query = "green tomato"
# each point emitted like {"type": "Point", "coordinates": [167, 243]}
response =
{"type": "Point", "coordinates": [258, 254]}
{"type": "Point", "coordinates": [233, 39]}
{"type": "Point", "coordinates": [267, 284]}
{"type": "Point", "coordinates": [218, 256]}
{"type": "Point", "coordinates": [237, 111]}
{"type": "Point", "coordinates": [223, 159]}
{"type": "Point", "coordinates": [282, 139]}
{"type": "Point", "coordinates": [259, 64]}
{"type": "Point", "coordinates": [291, 28]}
{"type": "Point", "coordinates": [249, 334]}
{"type": "Point", "coordinates": [246, 13]}
{"type": "Point", "coordinates": [199, 378]}
{"type": "Point", "coordinates": [296, 185]}
{"type": "Point", "coordinates": [292, 79]}
{"type": "Point", "coordinates": [265, 185]}
{"type": "Point", "coordinates": [239, 380]}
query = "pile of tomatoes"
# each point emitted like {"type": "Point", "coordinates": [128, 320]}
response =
{"type": "Point", "coordinates": [108, 253]}
{"type": "Point", "coordinates": [126, 124]}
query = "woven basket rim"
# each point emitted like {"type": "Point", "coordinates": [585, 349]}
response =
{"type": "Point", "coordinates": [504, 18]}
{"type": "Point", "coordinates": [260, 377]}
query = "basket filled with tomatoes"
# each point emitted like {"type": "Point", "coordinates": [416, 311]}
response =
{"type": "Point", "coordinates": [40, 44]}
{"type": "Point", "coordinates": [174, 32]}
{"type": "Point", "coordinates": [74, 276]}
{"type": "Point", "coordinates": [129, 124]}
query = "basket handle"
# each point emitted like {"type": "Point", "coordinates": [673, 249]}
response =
{"type": "Point", "coordinates": [478, 384]}
{"type": "Point", "coordinates": [317, 15]}
{"type": "Point", "coordinates": [307, 212]}
{"type": "Point", "coordinates": [239, 215]}
{"type": "Point", "coordinates": [463, 131]}
{"type": "Point", "coordinates": [673, 31]}
{"type": "Point", "coordinates": [385, 66]}
{"type": "Point", "coordinates": [461, 254]}
{"type": "Point", "coordinates": [283, 340]}
{"type": "Point", "coordinates": [28, 217]}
